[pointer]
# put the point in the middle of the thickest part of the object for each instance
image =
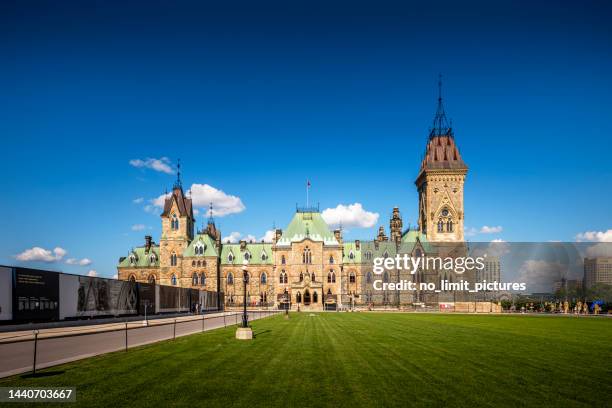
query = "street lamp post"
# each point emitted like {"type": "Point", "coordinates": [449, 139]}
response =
{"type": "Point", "coordinates": [245, 281]}
{"type": "Point", "coordinates": [244, 332]}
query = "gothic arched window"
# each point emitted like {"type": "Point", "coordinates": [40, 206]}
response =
{"type": "Point", "coordinates": [307, 256]}
{"type": "Point", "coordinates": [312, 277]}
{"type": "Point", "coordinates": [301, 276]}
{"type": "Point", "coordinates": [331, 259]}
{"type": "Point", "coordinates": [230, 258]}
{"type": "Point", "coordinates": [449, 226]}
{"type": "Point", "coordinates": [173, 259]}
{"type": "Point", "coordinates": [315, 297]}
{"type": "Point", "coordinates": [247, 255]}
{"type": "Point", "coordinates": [283, 259]}
{"type": "Point", "coordinates": [173, 280]}
{"type": "Point", "coordinates": [352, 277]}
{"type": "Point", "coordinates": [174, 223]}
{"type": "Point", "coordinates": [194, 279]}
{"type": "Point", "coordinates": [230, 278]}
{"type": "Point", "coordinates": [369, 277]}
{"type": "Point", "coordinates": [263, 278]}
{"type": "Point", "coordinates": [151, 279]}
{"type": "Point", "coordinates": [331, 277]}
{"type": "Point", "coordinates": [202, 279]}
{"type": "Point", "coordinates": [132, 278]}
{"type": "Point", "coordinates": [440, 226]}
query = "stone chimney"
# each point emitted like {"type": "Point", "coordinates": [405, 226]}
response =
{"type": "Point", "coordinates": [148, 241]}
{"type": "Point", "coordinates": [338, 235]}
{"type": "Point", "coordinates": [243, 245]}
{"type": "Point", "coordinates": [278, 233]}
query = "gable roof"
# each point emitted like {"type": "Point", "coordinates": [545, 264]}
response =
{"type": "Point", "coordinates": [255, 249]}
{"type": "Point", "coordinates": [143, 258]}
{"type": "Point", "coordinates": [307, 224]}
{"type": "Point", "coordinates": [201, 239]}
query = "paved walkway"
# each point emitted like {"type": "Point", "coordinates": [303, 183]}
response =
{"type": "Point", "coordinates": [61, 345]}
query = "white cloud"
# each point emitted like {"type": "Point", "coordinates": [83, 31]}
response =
{"type": "Point", "coordinates": [41, 254]}
{"type": "Point", "coordinates": [232, 238]}
{"type": "Point", "coordinates": [602, 249]}
{"type": "Point", "coordinates": [202, 195]}
{"type": "Point", "coordinates": [138, 200]}
{"type": "Point", "coordinates": [138, 227]}
{"type": "Point", "coordinates": [92, 273]}
{"type": "Point", "coordinates": [491, 230]}
{"type": "Point", "coordinates": [162, 165]}
{"type": "Point", "coordinates": [85, 262]}
{"type": "Point", "coordinates": [497, 240]}
{"type": "Point", "coordinates": [196, 212]}
{"type": "Point", "coordinates": [268, 236]}
{"type": "Point", "coordinates": [115, 276]}
{"type": "Point", "coordinates": [595, 236]}
{"type": "Point", "coordinates": [352, 215]}
{"type": "Point", "coordinates": [223, 204]}
{"type": "Point", "coordinates": [250, 238]}
{"type": "Point", "coordinates": [470, 232]}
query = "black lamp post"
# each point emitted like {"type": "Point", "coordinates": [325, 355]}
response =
{"type": "Point", "coordinates": [245, 280]}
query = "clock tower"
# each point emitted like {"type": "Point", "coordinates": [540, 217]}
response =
{"type": "Point", "coordinates": [440, 183]}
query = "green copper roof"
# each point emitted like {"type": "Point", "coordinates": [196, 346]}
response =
{"type": "Point", "coordinates": [307, 225]}
{"type": "Point", "coordinates": [412, 236]}
{"type": "Point", "coordinates": [201, 240]}
{"type": "Point", "coordinates": [255, 250]}
{"type": "Point", "coordinates": [351, 248]}
{"type": "Point", "coordinates": [137, 257]}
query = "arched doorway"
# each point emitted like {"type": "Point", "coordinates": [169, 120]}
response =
{"type": "Point", "coordinates": [306, 297]}
{"type": "Point", "coordinates": [315, 297]}
{"type": "Point", "coordinates": [298, 298]}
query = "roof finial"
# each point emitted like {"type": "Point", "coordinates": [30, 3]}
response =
{"type": "Point", "coordinates": [178, 183]}
{"type": "Point", "coordinates": [211, 220]}
{"type": "Point", "coordinates": [440, 123]}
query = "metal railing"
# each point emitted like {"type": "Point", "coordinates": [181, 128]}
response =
{"type": "Point", "coordinates": [29, 351]}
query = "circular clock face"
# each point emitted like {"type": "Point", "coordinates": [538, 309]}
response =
{"type": "Point", "coordinates": [445, 213]}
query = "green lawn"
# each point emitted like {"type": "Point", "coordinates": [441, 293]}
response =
{"type": "Point", "coordinates": [359, 359]}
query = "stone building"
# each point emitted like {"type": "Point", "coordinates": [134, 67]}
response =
{"type": "Point", "coordinates": [309, 265]}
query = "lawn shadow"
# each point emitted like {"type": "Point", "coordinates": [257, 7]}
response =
{"type": "Point", "coordinates": [43, 374]}
{"type": "Point", "coordinates": [255, 334]}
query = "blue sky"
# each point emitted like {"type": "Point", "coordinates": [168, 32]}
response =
{"type": "Point", "coordinates": [254, 100]}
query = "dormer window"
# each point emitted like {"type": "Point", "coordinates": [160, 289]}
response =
{"type": "Point", "coordinates": [132, 259]}
{"type": "Point", "coordinates": [230, 257]}
{"type": "Point", "coordinates": [351, 255]}
{"type": "Point", "coordinates": [386, 254]}
{"type": "Point", "coordinates": [152, 258]}
{"type": "Point", "coordinates": [247, 256]}
{"type": "Point", "coordinates": [264, 256]}
{"type": "Point", "coordinates": [199, 249]}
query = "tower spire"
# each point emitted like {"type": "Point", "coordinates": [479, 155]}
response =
{"type": "Point", "coordinates": [211, 220]}
{"type": "Point", "coordinates": [440, 123]}
{"type": "Point", "coordinates": [178, 183]}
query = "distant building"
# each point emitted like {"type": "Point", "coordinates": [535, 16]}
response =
{"type": "Point", "coordinates": [597, 270]}
{"type": "Point", "coordinates": [567, 285]}
{"type": "Point", "coordinates": [491, 271]}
